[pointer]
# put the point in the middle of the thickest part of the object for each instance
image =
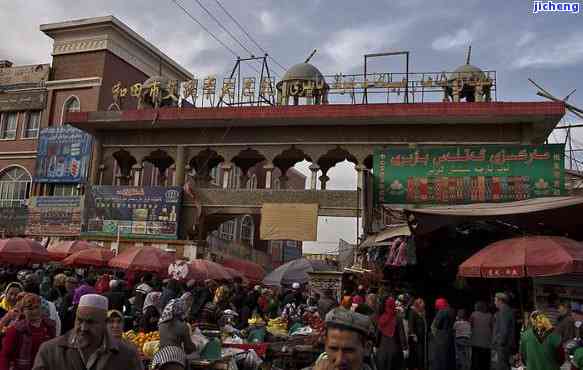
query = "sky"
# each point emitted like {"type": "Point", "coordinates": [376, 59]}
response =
{"type": "Point", "coordinates": [505, 36]}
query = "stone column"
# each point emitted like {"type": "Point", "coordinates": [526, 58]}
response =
{"type": "Point", "coordinates": [314, 168]}
{"type": "Point", "coordinates": [360, 171]}
{"type": "Point", "coordinates": [227, 167]}
{"type": "Point", "coordinates": [323, 180]}
{"type": "Point", "coordinates": [180, 166]}
{"type": "Point", "coordinates": [137, 171]}
{"type": "Point", "coordinates": [95, 160]}
{"type": "Point", "coordinates": [269, 167]}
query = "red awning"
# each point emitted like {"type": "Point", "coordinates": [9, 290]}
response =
{"type": "Point", "coordinates": [251, 270]}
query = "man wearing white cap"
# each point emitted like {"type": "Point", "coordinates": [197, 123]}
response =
{"type": "Point", "coordinates": [89, 346]}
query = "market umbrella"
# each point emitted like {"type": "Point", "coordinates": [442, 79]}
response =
{"type": "Point", "coordinates": [20, 251]}
{"type": "Point", "coordinates": [530, 256]}
{"type": "Point", "coordinates": [295, 271]}
{"type": "Point", "coordinates": [237, 274]}
{"type": "Point", "coordinates": [62, 250]}
{"type": "Point", "coordinates": [207, 270]}
{"type": "Point", "coordinates": [142, 259]}
{"type": "Point", "coordinates": [98, 257]}
{"type": "Point", "coordinates": [252, 271]}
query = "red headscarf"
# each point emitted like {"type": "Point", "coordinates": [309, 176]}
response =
{"type": "Point", "coordinates": [441, 303]}
{"type": "Point", "coordinates": [357, 299]}
{"type": "Point", "coordinates": [388, 320]}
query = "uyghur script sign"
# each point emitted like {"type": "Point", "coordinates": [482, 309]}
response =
{"type": "Point", "coordinates": [54, 216]}
{"type": "Point", "coordinates": [468, 174]}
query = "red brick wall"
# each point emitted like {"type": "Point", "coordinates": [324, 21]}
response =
{"type": "Point", "coordinates": [29, 164]}
{"type": "Point", "coordinates": [80, 65]}
{"type": "Point", "coordinates": [18, 144]}
{"type": "Point", "coordinates": [116, 70]}
{"type": "Point", "coordinates": [88, 98]}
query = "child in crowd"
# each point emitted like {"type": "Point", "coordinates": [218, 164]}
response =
{"type": "Point", "coordinates": [463, 348]}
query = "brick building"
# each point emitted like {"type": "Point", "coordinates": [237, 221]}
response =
{"type": "Point", "coordinates": [89, 57]}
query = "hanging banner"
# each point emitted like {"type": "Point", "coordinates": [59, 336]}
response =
{"type": "Point", "coordinates": [150, 212]}
{"type": "Point", "coordinates": [54, 216]}
{"type": "Point", "coordinates": [289, 221]}
{"type": "Point", "coordinates": [63, 155]}
{"type": "Point", "coordinates": [476, 174]}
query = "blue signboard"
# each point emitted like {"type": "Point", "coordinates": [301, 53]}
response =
{"type": "Point", "coordinates": [63, 155]}
{"type": "Point", "coordinates": [150, 212]}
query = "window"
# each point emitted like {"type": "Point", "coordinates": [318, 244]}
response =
{"type": "Point", "coordinates": [31, 125]}
{"type": "Point", "coordinates": [247, 230]}
{"type": "Point", "coordinates": [215, 176]}
{"type": "Point", "coordinates": [72, 104]}
{"type": "Point", "coordinates": [276, 184]}
{"type": "Point", "coordinates": [227, 230]}
{"type": "Point", "coordinates": [64, 190]}
{"type": "Point", "coordinates": [15, 185]}
{"type": "Point", "coordinates": [235, 178]}
{"type": "Point", "coordinates": [8, 125]}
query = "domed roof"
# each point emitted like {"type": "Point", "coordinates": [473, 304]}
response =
{"type": "Point", "coordinates": [467, 71]}
{"type": "Point", "coordinates": [303, 71]}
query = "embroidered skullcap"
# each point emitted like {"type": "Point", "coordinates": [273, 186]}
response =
{"type": "Point", "coordinates": [95, 301]}
{"type": "Point", "coordinates": [296, 286]}
{"type": "Point", "coordinates": [167, 355]}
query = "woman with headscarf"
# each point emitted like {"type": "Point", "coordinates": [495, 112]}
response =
{"type": "Point", "coordinates": [24, 337]}
{"type": "Point", "coordinates": [9, 297]}
{"type": "Point", "coordinates": [115, 323]}
{"type": "Point", "coordinates": [393, 343]}
{"type": "Point", "coordinates": [58, 291]}
{"type": "Point", "coordinates": [150, 312]}
{"type": "Point", "coordinates": [418, 335]}
{"type": "Point", "coordinates": [173, 328]}
{"type": "Point", "coordinates": [443, 346]}
{"type": "Point", "coordinates": [540, 347]}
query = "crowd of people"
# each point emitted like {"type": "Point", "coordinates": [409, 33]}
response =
{"type": "Point", "coordinates": [61, 320]}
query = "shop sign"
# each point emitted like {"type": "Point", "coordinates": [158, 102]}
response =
{"type": "Point", "coordinates": [64, 155]}
{"type": "Point", "coordinates": [469, 174]}
{"type": "Point", "coordinates": [150, 212]}
{"type": "Point", "coordinates": [54, 216]}
{"type": "Point", "coordinates": [24, 74]}
{"type": "Point", "coordinates": [13, 221]}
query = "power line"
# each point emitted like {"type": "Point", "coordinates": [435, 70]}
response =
{"type": "Point", "coordinates": [224, 28]}
{"type": "Point", "coordinates": [249, 36]}
{"type": "Point", "coordinates": [209, 32]}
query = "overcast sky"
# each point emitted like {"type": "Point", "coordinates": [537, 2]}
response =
{"type": "Point", "coordinates": [505, 37]}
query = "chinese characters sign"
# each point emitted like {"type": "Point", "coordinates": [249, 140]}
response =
{"type": "Point", "coordinates": [64, 155]}
{"type": "Point", "coordinates": [133, 212]}
{"type": "Point", "coordinates": [54, 216]}
{"type": "Point", "coordinates": [468, 174]}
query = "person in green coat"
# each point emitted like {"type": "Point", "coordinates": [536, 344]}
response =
{"type": "Point", "coordinates": [540, 347]}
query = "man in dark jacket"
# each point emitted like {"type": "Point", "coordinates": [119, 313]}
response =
{"type": "Point", "coordinates": [503, 336]}
{"type": "Point", "coordinates": [116, 296]}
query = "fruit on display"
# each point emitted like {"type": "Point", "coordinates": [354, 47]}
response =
{"type": "Point", "coordinates": [140, 339]}
{"type": "Point", "coordinates": [277, 326]}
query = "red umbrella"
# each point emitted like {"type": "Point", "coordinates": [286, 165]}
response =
{"type": "Point", "coordinates": [89, 257]}
{"type": "Point", "coordinates": [142, 259]}
{"type": "Point", "coordinates": [207, 270]}
{"type": "Point", "coordinates": [64, 249]}
{"type": "Point", "coordinates": [250, 270]}
{"type": "Point", "coordinates": [19, 251]}
{"type": "Point", "coordinates": [527, 256]}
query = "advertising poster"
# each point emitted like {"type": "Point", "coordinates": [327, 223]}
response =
{"type": "Point", "coordinates": [54, 216]}
{"type": "Point", "coordinates": [150, 212]}
{"type": "Point", "coordinates": [476, 174]}
{"type": "Point", "coordinates": [64, 155]}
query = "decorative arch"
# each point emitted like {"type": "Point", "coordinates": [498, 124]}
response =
{"type": "Point", "coordinates": [71, 104]}
{"type": "Point", "coordinates": [125, 162]}
{"type": "Point", "coordinates": [161, 164]}
{"type": "Point", "coordinates": [15, 185]}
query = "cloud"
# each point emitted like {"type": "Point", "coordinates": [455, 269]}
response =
{"type": "Point", "coordinates": [525, 39]}
{"type": "Point", "coordinates": [462, 37]}
{"type": "Point", "coordinates": [552, 54]}
{"type": "Point", "coordinates": [346, 47]}
{"type": "Point", "coordinates": [268, 21]}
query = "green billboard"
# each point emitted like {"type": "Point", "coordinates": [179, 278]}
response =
{"type": "Point", "coordinates": [468, 174]}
